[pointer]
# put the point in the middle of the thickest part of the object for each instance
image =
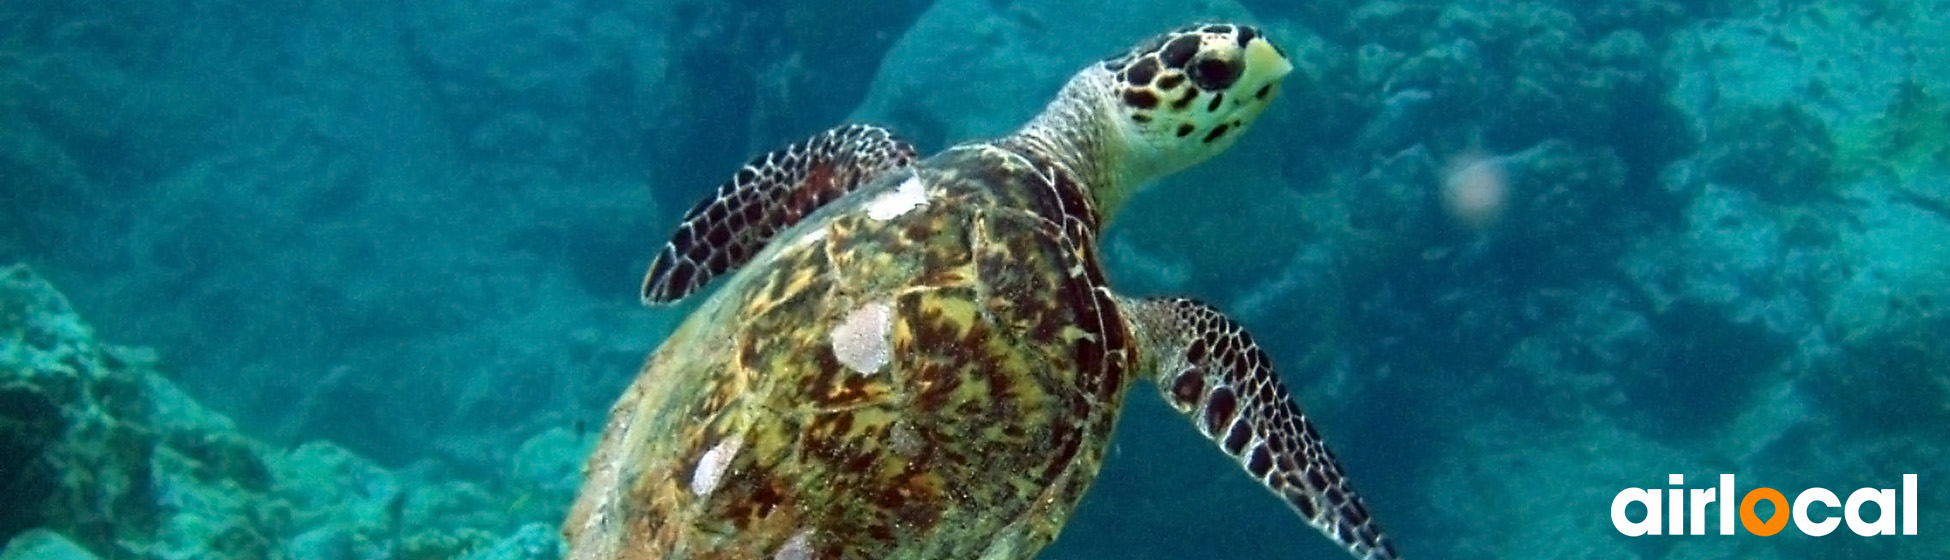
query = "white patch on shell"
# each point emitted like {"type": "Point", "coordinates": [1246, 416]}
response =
{"type": "Point", "coordinates": [798, 547]}
{"type": "Point", "coordinates": [864, 340]}
{"type": "Point", "coordinates": [909, 195]}
{"type": "Point", "coordinates": [711, 467]}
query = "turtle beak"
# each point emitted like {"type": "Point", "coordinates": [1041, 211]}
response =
{"type": "Point", "coordinates": [1265, 64]}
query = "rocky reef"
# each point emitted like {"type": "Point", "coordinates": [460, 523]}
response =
{"type": "Point", "coordinates": [103, 457]}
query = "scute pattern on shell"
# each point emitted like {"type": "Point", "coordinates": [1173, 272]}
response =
{"type": "Point", "coordinates": [1008, 366]}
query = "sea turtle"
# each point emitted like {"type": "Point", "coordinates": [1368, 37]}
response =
{"type": "Point", "coordinates": [921, 359]}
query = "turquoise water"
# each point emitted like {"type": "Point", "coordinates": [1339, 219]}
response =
{"type": "Point", "coordinates": [359, 280]}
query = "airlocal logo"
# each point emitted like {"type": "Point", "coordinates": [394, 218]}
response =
{"type": "Point", "coordinates": [1884, 499]}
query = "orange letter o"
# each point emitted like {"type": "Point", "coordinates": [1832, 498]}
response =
{"type": "Point", "coordinates": [1752, 522]}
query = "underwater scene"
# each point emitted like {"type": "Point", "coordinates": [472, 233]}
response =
{"type": "Point", "coordinates": [364, 280]}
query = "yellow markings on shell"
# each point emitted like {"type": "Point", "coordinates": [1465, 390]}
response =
{"type": "Point", "coordinates": [859, 259]}
{"type": "Point", "coordinates": [796, 279]}
{"type": "Point", "coordinates": [956, 311]}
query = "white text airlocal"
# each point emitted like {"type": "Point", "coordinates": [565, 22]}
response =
{"type": "Point", "coordinates": [1884, 499]}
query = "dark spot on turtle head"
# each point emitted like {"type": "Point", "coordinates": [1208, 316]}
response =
{"type": "Point", "coordinates": [1115, 64]}
{"type": "Point", "coordinates": [1140, 118]}
{"type": "Point", "coordinates": [1143, 72]}
{"type": "Point", "coordinates": [1217, 100]}
{"type": "Point", "coordinates": [1185, 99]}
{"type": "Point", "coordinates": [1184, 130]}
{"type": "Point", "coordinates": [1213, 74]}
{"type": "Point", "coordinates": [1142, 99]}
{"type": "Point", "coordinates": [1179, 51]}
{"type": "Point", "coordinates": [1171, 80]}
{"type": "Point", "coordinates": [1219, 28]}
{"type": "Point", "coordinates": [1217, 132]}
{"type": "Point", "coordinates": [1246, 35]}
{"type": "Point", "coordinates": [1263, 91]}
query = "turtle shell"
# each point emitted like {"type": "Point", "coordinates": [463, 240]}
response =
{"type": "Point", "coordinates": [930, 368]}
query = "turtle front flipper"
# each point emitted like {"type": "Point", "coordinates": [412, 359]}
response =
{"type": "Point", "coordinates": [768, 195]}
{"type": "Point", "coordinates": [1210, 369]}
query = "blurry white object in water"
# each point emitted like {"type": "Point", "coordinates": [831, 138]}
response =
{"type": "Point", "coordinates": [1475, 189]}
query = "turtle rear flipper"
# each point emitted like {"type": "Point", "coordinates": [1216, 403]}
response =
{"type": "Point", "coordinates": [769, 194]}
{"type": "Point", "coordinates": [1210, 369]}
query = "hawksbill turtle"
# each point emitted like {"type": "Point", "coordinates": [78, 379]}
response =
{"type": "Point", "coordinates": [920, 358]}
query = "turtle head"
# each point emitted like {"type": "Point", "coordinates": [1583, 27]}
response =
{"type": "Point", "coordinates": [1183, 96]}
{"type": "Point", "coordinates": [1171, 101]}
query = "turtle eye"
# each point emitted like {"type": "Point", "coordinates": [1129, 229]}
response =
{"type": "Point", "coordinates": [1213, 74]}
